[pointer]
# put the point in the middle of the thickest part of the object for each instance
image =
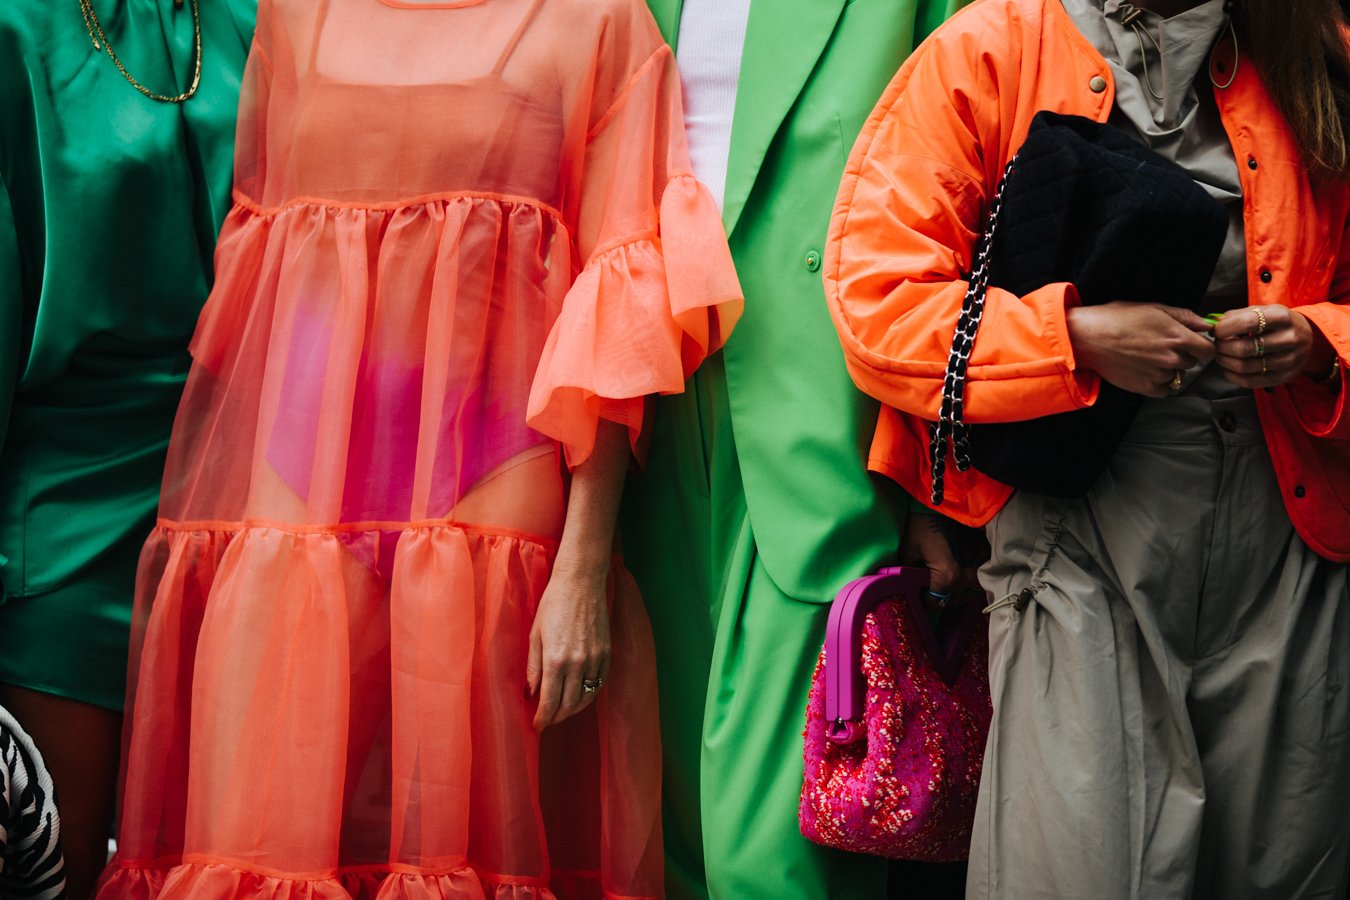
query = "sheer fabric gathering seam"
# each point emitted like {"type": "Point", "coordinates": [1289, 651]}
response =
{"type": "Point", "coordinates": [203, 861]}
{"type": "Point", "coordinates": [248, 204]}
{"type": "Point", "coordinates": [252, 524]}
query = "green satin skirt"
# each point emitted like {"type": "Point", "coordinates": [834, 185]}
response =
{"type": "Point", "coordinates": [72, 641]}
{"type": "Point", "coordinates": [79, 497]}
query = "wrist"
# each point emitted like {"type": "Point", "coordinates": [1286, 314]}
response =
{"type": "Point", "coordinates": [1331, 376]}
{"type": "Point", "coordinates": [917, 507]}
{"type": "Point", "coordinates": [589, 567]}
{"type": "Point", "coordinates": [1080, 322]}
{"type": "Point", "coordinates": [1323, 362]}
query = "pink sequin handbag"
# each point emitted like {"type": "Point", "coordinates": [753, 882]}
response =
{"type": "Point", "coordinates": [896, 723]}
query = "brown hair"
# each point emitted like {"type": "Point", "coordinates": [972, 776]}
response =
{"type": "Point", "coordinates": [1300, 47]}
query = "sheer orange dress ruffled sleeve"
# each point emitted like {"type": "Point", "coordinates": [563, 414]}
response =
{"type": "Point", "coordinates": [462, 234]}
{"type": "Point", "coordinates": [637, 320]}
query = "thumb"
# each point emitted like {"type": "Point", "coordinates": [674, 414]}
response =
{"type": "Point", "coordinates": [1193, 321]}
{"type": "Point", "coordinates": [942, 575]}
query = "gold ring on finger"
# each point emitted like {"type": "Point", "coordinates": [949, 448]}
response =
{"type": "Point", "coordinates": [1258, 346]}
{"type": "Point", "coordinates": [1175, 384]}
{"type": "Point", "coordinates": [1264, 367]}
{"type": "Point", "coordinates": [943, 598]}
{"type": "Point", "coordinates": [1260, 321]}
{"type": "Point", "coordinates": [590, 686]}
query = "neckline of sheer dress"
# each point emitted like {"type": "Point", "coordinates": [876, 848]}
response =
{"type": "Point", "coordinates": [258, 209]}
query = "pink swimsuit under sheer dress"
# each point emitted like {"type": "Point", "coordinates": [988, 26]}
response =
{"type": "Point", "coordinates": [439, 274]}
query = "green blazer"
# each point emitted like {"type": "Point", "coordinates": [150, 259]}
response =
{"type": "Point", "coordinates": [811, 72]}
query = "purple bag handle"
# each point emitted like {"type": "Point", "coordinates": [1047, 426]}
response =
{"type": "Point", "coordinates": [844, 688]}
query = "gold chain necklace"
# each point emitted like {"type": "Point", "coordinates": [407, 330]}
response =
{"type": "Point", "coordinates": [100, 40]}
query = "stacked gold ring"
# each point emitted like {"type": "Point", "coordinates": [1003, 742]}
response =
{"type": "Point", "coordinates": [1258, 345]}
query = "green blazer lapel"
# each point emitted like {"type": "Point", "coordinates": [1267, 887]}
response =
{"type": "Point", "coordinates": [667, 15]}
{"type": "Point", "coordinates": [783, 41]}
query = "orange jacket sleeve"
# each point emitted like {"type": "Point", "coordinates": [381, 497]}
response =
{"type": "Point", "coordinates": [908, 215]}
{"type": "Point", "coordinates": [1320, 409]}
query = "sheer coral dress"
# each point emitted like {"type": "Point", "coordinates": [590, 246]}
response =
{"type": "Point", "coordinates": [462, 234]}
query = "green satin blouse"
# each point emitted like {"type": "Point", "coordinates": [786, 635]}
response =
{"type": "Point", "coordinates": [109, 207]}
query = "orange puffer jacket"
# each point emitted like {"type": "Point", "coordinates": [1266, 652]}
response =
{"type": "Point", "coordinates": [913, 201]}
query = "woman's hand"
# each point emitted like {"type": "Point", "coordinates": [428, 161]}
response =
{"type": "Point", "coordinates": [1138, 347]}
{"type": "Point", "coordinates": [569, 644]}
{"type": "Point", "coordinates": [1256, 355]}
{"type": "Point", "coordinates": [952, 577]}
{"type": "Point", "coordinates": [569, 641]}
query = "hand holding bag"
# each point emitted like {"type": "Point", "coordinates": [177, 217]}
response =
{"type": "Point", "coordinates": [896, 723]}
{"type": "Point", "coordinates": [1085, 203]}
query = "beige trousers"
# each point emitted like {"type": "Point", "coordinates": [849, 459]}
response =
{"type": "Point", "coordinates": [1170, 706]}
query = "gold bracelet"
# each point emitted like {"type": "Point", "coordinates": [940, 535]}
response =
{"type": "Point", "coordinates": [1333, 374]}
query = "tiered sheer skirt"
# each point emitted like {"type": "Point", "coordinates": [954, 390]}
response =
{"type": "Point", "coordinates": [305, 727]}
{"type": "Point", "coordinates": [332, 618]}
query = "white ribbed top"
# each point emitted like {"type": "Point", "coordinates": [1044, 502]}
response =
{"type": "Point", "coordinates": [712, 36]}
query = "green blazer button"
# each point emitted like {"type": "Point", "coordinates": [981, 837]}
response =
{"type": "Point", "coordinates": [813, 261]}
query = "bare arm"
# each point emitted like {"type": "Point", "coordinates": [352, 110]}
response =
{"type": "Point", "coordinates": [570, 642]}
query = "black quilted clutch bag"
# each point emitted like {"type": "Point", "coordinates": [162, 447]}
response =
{"type": "Point", "coordinates": [1085, 203]}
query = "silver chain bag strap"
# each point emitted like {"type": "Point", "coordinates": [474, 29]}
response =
{"type": "Point", "coordinates": [950, 426]}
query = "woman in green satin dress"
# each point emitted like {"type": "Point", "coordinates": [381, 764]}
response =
{"type": "Point", "coordinates": [111, 194]}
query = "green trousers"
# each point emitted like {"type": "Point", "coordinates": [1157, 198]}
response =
{"type": "Point", "coordinates": [735, 657]}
